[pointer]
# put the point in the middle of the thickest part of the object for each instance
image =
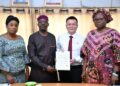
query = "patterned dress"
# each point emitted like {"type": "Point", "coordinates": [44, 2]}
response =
{"type": "Point", "coordinates": [101, 51]}
{"type": "Point", "coordinates": [13, 58]}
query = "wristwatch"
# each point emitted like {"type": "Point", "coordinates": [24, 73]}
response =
{"type": "Point", "coordinates": [115, 74]}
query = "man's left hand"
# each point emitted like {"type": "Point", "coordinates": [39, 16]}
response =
{"type": "Point", "coordinates": [72, 61]}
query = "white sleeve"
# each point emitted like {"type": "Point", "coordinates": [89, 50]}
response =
{"type": "Point", "coordinates": [78, 59]}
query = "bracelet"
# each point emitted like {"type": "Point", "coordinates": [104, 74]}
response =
{"type": "Point", "coordinates": [115, 74]}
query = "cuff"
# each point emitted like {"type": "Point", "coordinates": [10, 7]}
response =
{"type": "Point", "coordinates": [78, 59]}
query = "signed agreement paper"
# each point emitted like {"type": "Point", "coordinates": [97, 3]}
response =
{"type": "Point", "coordinates": [62, 60]}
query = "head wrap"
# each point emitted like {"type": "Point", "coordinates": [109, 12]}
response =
{"type": "Point", "coordinates": [105, 13]}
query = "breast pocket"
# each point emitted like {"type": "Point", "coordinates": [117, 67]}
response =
{"type": "Point", "coordinates": [52, 49]}
{"type": "Point", "coordinates": [77, 45]}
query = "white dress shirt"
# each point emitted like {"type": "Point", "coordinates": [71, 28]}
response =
{"type": "Point", "coordinates": [77, 42]}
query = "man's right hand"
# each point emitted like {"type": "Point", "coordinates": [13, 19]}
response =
{"type": "Point", "coordinates": [50, 69]}
{"type": "Point", "coordinates": [10, 78]}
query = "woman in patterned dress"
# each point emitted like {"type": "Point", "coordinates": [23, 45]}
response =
{"type": "Point", "coordinates": [13, 56]}
{"type": "Point", "coordinates": [100, 50]}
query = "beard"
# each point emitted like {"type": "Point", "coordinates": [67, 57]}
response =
{"type": "Point", "coordinates": [43, 30]}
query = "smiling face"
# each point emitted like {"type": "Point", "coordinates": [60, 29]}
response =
{"type": "Point", "coordinates": [100, 21]}
{"type": "Point", "coordinates": [12, 27]}
{"type": "Point", "coordinates": [71, 26]}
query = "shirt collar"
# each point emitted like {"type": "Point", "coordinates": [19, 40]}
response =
{"type": "Point", "coordinates": [72, 35]}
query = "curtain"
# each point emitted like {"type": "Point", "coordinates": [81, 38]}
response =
{"type": "Point", "coordinates": [25, 26]}
{"type": "Point", "coordinates": [56, 23]}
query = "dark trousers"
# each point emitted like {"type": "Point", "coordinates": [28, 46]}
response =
{"type": "Point", "coordinates": [72, 76]}
{"type": "Point", "coordinates": [41, 76]}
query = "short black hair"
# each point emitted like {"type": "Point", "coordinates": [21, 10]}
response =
{"type": "Point", "coordinates": [72, 17]}
{"type": "Point", "coordinates": [10, 18]}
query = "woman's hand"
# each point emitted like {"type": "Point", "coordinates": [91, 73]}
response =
{"type": "Point", "coordinates": [83, 77]}
{"type": "Point", "coordinates": [114, 79]}
{"type": "Point", "coordinates": [83, 74]}
{"type": "Point", "coordinates": [27, 73]}
{"type": "Point", "coordinates": [10, 79]}
{"type": "Point", "coordinates": [115, 75]}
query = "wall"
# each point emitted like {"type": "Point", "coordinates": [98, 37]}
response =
{"type": "Point", "coordinates": [72, 3]}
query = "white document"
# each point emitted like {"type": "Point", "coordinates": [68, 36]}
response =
{"type": "Point", "coordinates": [5, 84]}
{"type": "Point", "coordinates": [62, 60]}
